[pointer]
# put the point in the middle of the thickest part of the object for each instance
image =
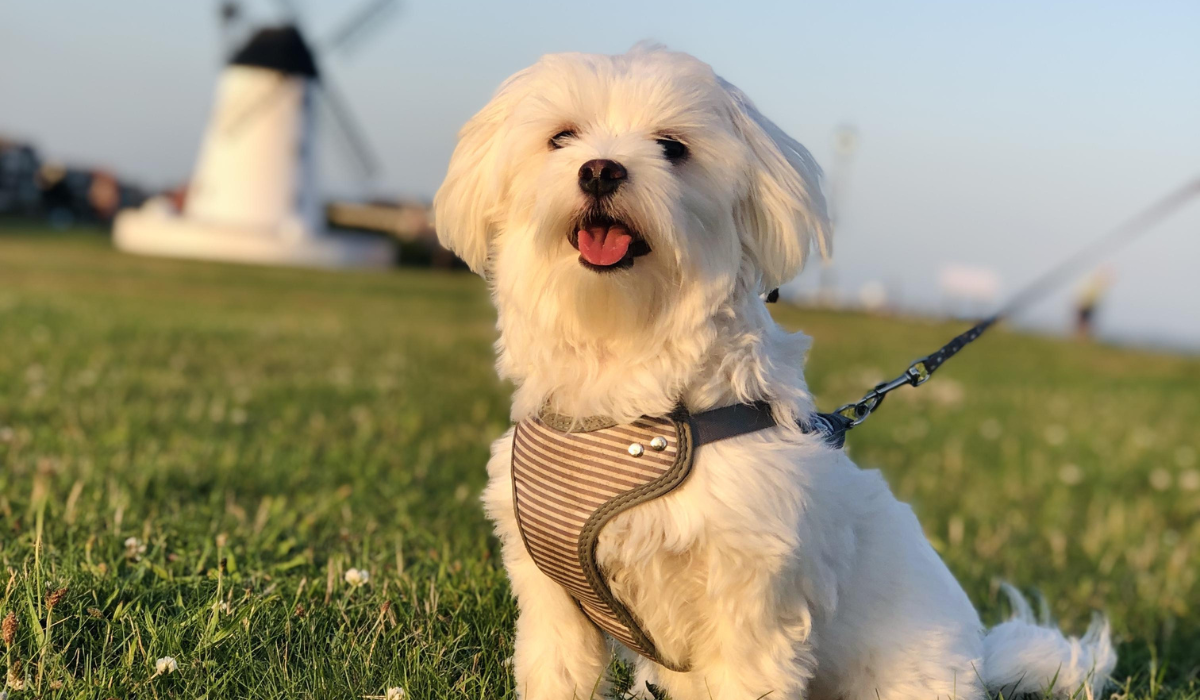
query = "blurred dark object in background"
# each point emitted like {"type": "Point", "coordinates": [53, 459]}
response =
{"type": "Point", "coordinates": [1088, 300]}
{"type": "Point", "coordinates": [19, 192]}
{"type": "Point", "coordinates": [61, 195]}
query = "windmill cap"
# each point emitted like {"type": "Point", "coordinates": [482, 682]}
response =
{"type": "Point", "coordinates": [281, 49]}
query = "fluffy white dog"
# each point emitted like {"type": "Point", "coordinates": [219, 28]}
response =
{"type": "Point", "coordinates": [628, 212]}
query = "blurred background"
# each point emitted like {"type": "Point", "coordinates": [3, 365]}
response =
{"type": "Point", "coordinates": [967, 146]}
{"type": "Point", "coordinates": [198, 451]}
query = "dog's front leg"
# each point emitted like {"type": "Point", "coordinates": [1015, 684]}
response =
{"type": "Point", "coordinates": [757, 643]}
{"type": "Point", "coordinates": [560, 654]}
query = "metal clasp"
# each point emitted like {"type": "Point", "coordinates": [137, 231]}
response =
{"type": "Point", "coordinates": [917, 374]}
{"type": "Point", "coordinates": [858, 411]}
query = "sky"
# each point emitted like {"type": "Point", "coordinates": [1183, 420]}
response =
{"type": "Point", "coordinates": [996, 135]}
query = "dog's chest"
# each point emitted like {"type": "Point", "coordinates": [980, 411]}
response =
{"type": "Point", "coordinates": [568, 485]}
{"type": "Point", "coordinates": [571, 478]}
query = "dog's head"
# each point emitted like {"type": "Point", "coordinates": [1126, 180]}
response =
{"type": "Point", "coordinates": [618, 186]}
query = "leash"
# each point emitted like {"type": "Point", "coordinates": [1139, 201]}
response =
{"type": "Point", "coordinates": [920, 371]}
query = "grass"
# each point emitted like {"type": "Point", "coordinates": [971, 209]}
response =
{"type": "Point", "coordinates": [259, 432]}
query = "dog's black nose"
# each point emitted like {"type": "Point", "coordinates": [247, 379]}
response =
{"type": "Point", "coordinates": [601, 177]}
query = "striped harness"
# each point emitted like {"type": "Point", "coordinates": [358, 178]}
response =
{"type": "Point", "coordinates": [571, 477]}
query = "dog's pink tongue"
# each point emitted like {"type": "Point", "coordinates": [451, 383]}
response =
{"type": "Point", "coordinates": [604, 245]}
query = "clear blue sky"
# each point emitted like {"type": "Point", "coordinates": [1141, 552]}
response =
{"type": "Point", "coordinates": [1001, 135]}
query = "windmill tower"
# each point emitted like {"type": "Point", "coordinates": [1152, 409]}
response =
{"type": "Point", "coordinates": [254, 195]}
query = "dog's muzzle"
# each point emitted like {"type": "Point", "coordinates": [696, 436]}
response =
{"type": "Point", "coordinates": [606, 244]}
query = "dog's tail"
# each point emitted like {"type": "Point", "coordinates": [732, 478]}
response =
{"type": "Point", "coordinates": [1022, 656]}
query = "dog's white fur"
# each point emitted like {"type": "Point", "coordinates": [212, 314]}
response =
{"type": "Point", "coordinates": [779, 569]}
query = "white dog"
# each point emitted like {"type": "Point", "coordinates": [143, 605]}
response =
{"type": "Point", "coordinates": [628, 212]}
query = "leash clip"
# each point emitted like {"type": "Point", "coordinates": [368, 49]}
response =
{"type": "Point", "coordinates": [917, 374]}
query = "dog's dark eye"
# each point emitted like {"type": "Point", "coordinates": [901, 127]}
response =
{"type": "Point", "coordinates": [672, 149]}
{"type": "Point", "coordinates": [560, 139]}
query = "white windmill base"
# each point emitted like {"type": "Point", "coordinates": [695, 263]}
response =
{"type": "Point", "coordinates": [152, 231]}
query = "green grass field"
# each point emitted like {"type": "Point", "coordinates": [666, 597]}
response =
{"type": "Point", "coordinates": [259, 432]}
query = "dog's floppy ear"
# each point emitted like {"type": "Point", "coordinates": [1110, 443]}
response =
{"type": "Point", "coordinates": [465, 206]}
{"type": "Point", "coordinates": [783, 213]}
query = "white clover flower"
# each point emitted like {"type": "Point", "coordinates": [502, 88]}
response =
{"type": "Point", "coordinates": [166, 664]}
{"type": "Point", "coordinates": [394, 694]}
{"type": "Point", "coordinates": [3, 695]}
{"type": "Point", "coordinates": [357, 577]}
{"type": "Point", "coordinates": [134, 548]}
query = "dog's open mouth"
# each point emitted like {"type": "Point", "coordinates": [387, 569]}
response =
{"type": "Point", "coordinates": [606, 244]}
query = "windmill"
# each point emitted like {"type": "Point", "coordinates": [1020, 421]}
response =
{"type": "Point", "coordinates": [254, 195]}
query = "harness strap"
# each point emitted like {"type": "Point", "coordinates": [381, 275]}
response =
{"type": "Point", "coordinates": [743, 418]}
{"type": "Point", "coordinates": [730, 421]}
